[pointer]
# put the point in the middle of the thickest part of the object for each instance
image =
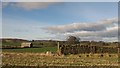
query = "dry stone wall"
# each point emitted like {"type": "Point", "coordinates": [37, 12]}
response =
{"type": "Point", "coordinates": [81, 49]}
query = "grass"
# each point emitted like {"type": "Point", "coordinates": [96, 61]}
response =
{"type": "Point", "coordinates": [34, 50]}
{"type": "Point", "coordinates": [11, 43]}
{"type": "Point", "coordinates": [35, 59]}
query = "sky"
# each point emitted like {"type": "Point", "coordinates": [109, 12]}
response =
{"type": "Point", "coordinates": [93, 21]}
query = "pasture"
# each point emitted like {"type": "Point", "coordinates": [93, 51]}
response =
{"type": "Point", "coordinates": [32, 50]}
{"type": "Point", "coordinates": [37, 56]}
{"type": "Point", "coordinates": [36, 59]}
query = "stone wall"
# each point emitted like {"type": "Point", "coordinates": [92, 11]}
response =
{"type": "Point", "coordinates": [81, 49]}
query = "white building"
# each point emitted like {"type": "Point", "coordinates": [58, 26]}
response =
{"type": "Point", "coordinates": [26, 44]}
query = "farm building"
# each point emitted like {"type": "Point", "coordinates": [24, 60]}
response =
{"type": "Point", "coordinates": [26, 44]}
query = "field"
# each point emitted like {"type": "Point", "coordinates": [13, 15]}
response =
{"type": "Point", "coordinates": [36, 59]}
{"type": "Point", "coordinates": [33, 50]}
{"type": "Point", "coordinates": [38, 56]}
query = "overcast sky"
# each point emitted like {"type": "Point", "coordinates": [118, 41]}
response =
{"type": "Point", "coordinates": [56, 20]}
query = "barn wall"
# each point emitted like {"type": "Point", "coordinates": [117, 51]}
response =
{"type": "Point", "coordinates": [26, 45]}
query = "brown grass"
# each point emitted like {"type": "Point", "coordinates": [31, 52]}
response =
{"type": "Point", "coordinates": [37, 59]}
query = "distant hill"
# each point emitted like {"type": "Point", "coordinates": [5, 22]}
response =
{"type": "Point", "coordinates": [12, 39]}
{"type": "Point", "coordinates": [49, 43]}
{"type": "Point", "coordinates": [11, 42]}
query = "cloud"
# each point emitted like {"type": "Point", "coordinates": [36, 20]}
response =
{"type": "Point", "coordinates": [32, 1]}
{"type": "Point", "coordinates": [99, 30]}
{"type": "Point", "coordinates": [29, 5]}
{"type": "Point", "coordinates": [110, 32]}
{"type": "Point", "coordinates": [32, 5]}
{"type": "Point", "coordinates": [81, 26]}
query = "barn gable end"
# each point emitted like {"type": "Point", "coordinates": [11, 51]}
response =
{"type": "Point", "coordinates": [26, 44]}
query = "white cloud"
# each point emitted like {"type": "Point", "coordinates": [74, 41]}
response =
{"type": "Point", "coordinates": [111, 32]}
{"type": "Point", "coordinates": [32, 5]}
{"type": "Point", "coordinates": [81, 26]}
{"type": "Point", "coordinates": [89, 31]}
{"type": "Point", "coordinates": [60, 0]}
{"type": "Point", "coordinates": [32, 0]}
{"type": "Point", "coordinates": [28, 5]}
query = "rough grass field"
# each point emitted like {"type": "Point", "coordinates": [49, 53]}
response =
{"type": "Point", "coordinates": [35, 50]}
{"type": "Point", "coordinates": [36, 59]}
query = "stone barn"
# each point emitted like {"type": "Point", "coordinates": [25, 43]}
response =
{"type": "Point", "coordinates": [26, 45]}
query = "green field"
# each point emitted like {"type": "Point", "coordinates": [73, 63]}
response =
{"type": "Point", "coordinates": [34, 50]}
